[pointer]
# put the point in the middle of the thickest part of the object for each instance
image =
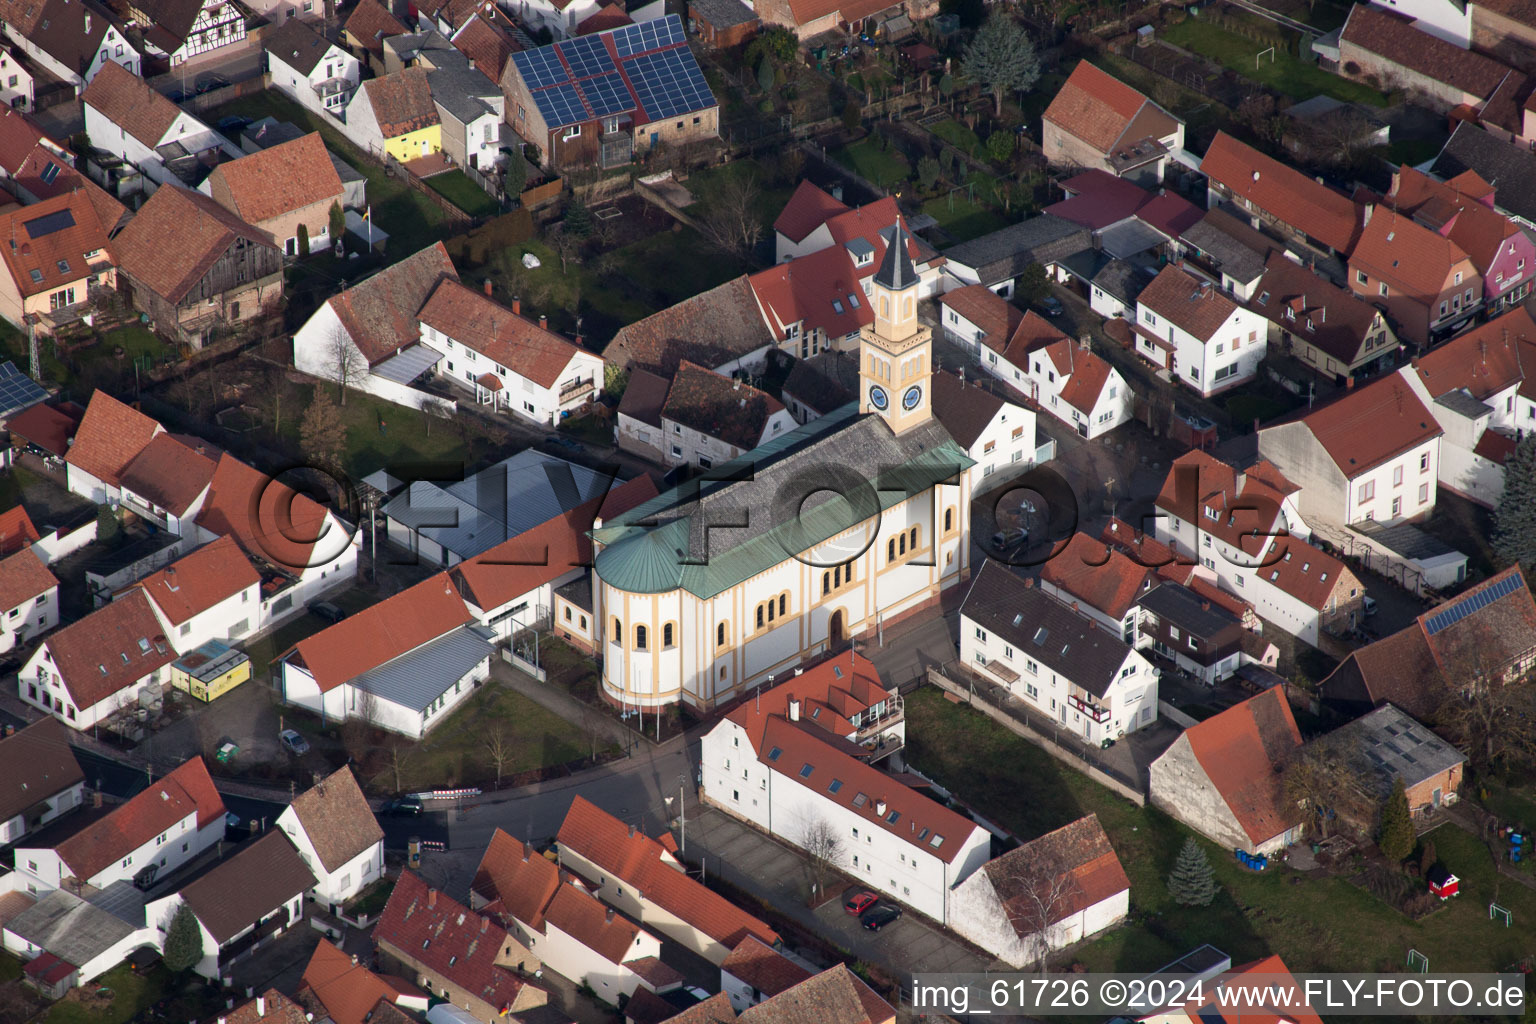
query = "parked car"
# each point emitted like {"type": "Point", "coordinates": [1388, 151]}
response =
{"type": "Point", "coordinates": [881, 916]}
{"type": "Point", "coordinates": [564, 442]}
{"type": "Point", "coordinates": [860, 902]}
{"type": "Point", "coordinates": [406, 805]}
{"type": "Point", "coordinates": [1052, 305]}
{"type": "Point", "coordinates": [1004, 539]}
{"type": "Point", "coordinates": [233, 123]}
{"type": "Point", "coordinates": [329, 612]}
{"type": "Point", "coordinates": [1368, 605]}
{"type": "Point", "coordinates": [295, 743]}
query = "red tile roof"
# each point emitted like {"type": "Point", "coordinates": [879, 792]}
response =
{"type": "Point", "coordinates": [808, 209]}
{"type": "Point", "coordinates": [276, 1008]}
{"type": "Point", "coordinates": [176, 238]}
{"type": "Point", "coordinates": [402, 102]}
{"type": "Point", "coordinates": [268, 519]}
{"type": "Point", "coordinates": [528, 561]}
{"type": "Point", "coordinates": [36, 762]}
{"type": "Point", "coordinates": [475, 320]}
{"type": "Point", "coordinates": [994, 315]}
{"type": "Point", "coordinates": [1033, 332]}
{"type": "Point", "coordinates": [872, 222]}
{"type": "Point", "coordinates": [1269, 976]}
{"type": "Point", "coordinates": [1283, 192]}
{"type": "Point", "coordinates": [379, 312]}
{"type": "Point", "coordinates": [347, 990]}
{"type": "Point", "coordinates": [1097, 199]}
{"type": "Point", "coordinates": [1086, 374]}
{"type": "Point", "coordinates": [609, 16]}
{"type": "Point", "coordinates": [766, 970]}
{"type": "Point", "coordinates": [16, 530]}
{"type": "Point", "coordinates": [1242, 750]}
{"type": "Point", "coordinates": [111, 648]}
{"type": "Point", "coordinates": [718, 406]}
{"type": "Point", "coordinates": [1310, 306]}
{"type": "Point", "coordinates": [1413, 259]}
{"type": "Point", "coordinates": [1191, 303]}
{"type": "Point", "coordinates": [193, 584]}
{"type": "Point", "coordinates": [804, 289]}
{"type": "Point", "coordinates": [578, 914]}
{"type": "Point", "coordinates": [169, 474]}
{"type": "Point", "coordinates": [188, 790]}
{"type": "Point", "coordinates": [281, 179]}
{"type": "Point", "coordinates": [647, 866]}
{"type": "Point", "coordinates": [1366, 427]}
{"type": "Point", "coordinates": [1485, 360]}
{"type": "Point", "coordinates": [1095, 107]}
{"type": "Point", "coordinates": [19, 135]}
{"type": "Point", "coordinates": [835, 996]}
{"type": "Point", "coordinates": [485, 40]}
{"type": "Point", "coordinates": [49, 427]}
{"type": "Point", "coordinates": [64, 178]}
{"type": "Point", "coordinates": [52, 240]}
{"type": "Point", "coordinates": [626, 496]}
{"type": "Point", "coordinates": [382, 632]}
{"type": "Point", "coordinates": [515, 880]}
{"type": "Point", "coordinates": [370, 23]}
{"type": "Point", "coordinates": [1399, 40]}
{"type": "Point", "coordinates": [1469, 220]}
{"type": "Point", "coordinates": [1079, 851]}
{"type": "Point", "coordinates": [1107, 580]}
{"type": "Point", "coordinates": [127, 101]}
{"type": "Point", "coordinates": [110, 437]}
{"type": "Point", "coordinates": [23, 576]}
{"type": "Point", "coordinates": [449, 939]}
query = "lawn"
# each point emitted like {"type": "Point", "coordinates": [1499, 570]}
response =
{"type": "Point", "coordinates": [139, 344]}
{"type": "Point", "coordinates": [382, 434]}
{"type": "Point", "coordinates": [1414, 151]}
{"type": "Point", "coordinates": [10, 968]}
{"type": "Point", "coordinates": [963, 217]}
{"type": "Point", "coordinates": [884, 167]}
{"type": "Point", "coordinates": [1513, 805]}
{"type": "Point", "coordinates": [131, 994]}
{"type": "Point", "coordinates": [957, 135]}
{"type": "Point", "coordinates": [1286, 74]}
{"type": "Point", "coordinates": [411, 220]}
{"type": "Point", "coordinates": [706, 185]}
{"type": "Point", "coordinates": [454, 752]}
{"type": "Point", "coordinates": [1313, 923]}
{"type": "Point", "coordinates": [458, 189]}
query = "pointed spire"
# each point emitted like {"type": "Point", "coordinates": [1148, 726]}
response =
{"type": "Point", "coordinates": [896, 271]}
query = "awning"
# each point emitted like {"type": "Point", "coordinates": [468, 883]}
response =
{"type": "Point", "coordinates": [1002, 672]}
{"type": "Point", "coordinates": [408, 364]}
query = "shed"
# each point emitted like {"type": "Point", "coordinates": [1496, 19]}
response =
{"type": "Point", "coordinates": [722, 23]}
{"type": "Point", "coordinates": [1442, 883]}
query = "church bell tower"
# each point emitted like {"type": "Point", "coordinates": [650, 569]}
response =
{"type": "Point", "coordinates": [896, 352]}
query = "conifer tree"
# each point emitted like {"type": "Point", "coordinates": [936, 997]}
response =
{"type": "Point", "coordinates": [1396, 837]}
{"type": "Point", "coordinates": [1192, 882]}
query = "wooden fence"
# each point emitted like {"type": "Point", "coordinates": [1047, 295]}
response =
{"type": "Point", "coordinates": [1078, 759]}
{"type": "Point", "coordinates": [203, 102]}
{"type": "Point", "coordinates": [538, 195]}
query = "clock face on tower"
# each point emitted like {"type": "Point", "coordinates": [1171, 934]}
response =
{"type": "Point", "coordinates": [878, 398]}
{"type": "Point", "coordinates": [912, 397]}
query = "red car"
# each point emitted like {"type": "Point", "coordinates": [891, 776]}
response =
{"type": "Point", "coordinates": [860, 902]}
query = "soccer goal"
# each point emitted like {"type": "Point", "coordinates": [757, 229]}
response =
{"type": "Point", "coordinates": [1418, 961]}
{"type": "Point", "coordinates": [1498, 913]}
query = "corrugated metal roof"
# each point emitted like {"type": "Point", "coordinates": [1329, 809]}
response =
{"type": "Point", "coordinates": [773, 503]}
{"type": "Point", "coordinates": [409, 364]}
{"type": "Point", "coordinates": [417, 679]}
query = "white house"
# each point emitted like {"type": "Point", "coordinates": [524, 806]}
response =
{"type": "Point", "coordinates": [1443, 19]}
{"type": "Point", "coordinates": [1060, 662]}
{"type": "Point", "coordinates": [401, 664]}
{"type": "Point", "coordinates": [592, 945]}
{"type": "Point", "coordinates": [71, 39]}
{"type": "Point", "coordinates": [559, 16]}
{"type": "Point", "coordinates": [1067, 379]}
{"type": "Point", "coordinates": [183, 31]}
{"type": "Point", "coordinates": [109, 661]}
{"type": "Point", "coordinates": [71, 941]}
{"type": "Point", "coordinates": [212, 594]}
{"type": "Point", "coordinates": [1372, 453]}
{"type": "Point", "coordinates": [512, 586]}
{"type": "Point", "coordinates": [337, 837]}
{"type": "Point", "coordinates": [998, 435]}
{"type": "Point", "coordinates": [1100, 582]}
{"type": "Point", "coordinates": [128, 119]}
{"type": "Point", "coordinates": [1185, 325]}
{"type": "Point", "coordinates": [753, 972]}
{"type": "Point", "coordinates": [368, 336]}
{"type": "Point", "coordinates": [248, 900]}
{"type": "Point", "coordinates": [1246, 532]}
{"type": "Point", "coordinates": [166, 483]}
{"type": "Point", "coordinates": [310, 69]}
{"type": "Point", "coordinates": [697, 418]}
{"type": "Point", "coordinates": [165, 826]}
{"type": "Point", "coordinates": [45, 780]}
{"type": "Point", "coordinates": [813, 220]}
{"type": "Point", "coordinates": [1053, 891]}
{"type": "Point", "coordinates": [29, 599]}
{"type": "Point", "coordinates": [110, 436]}
{"type": "Point", "coordinates": [504, 360]}
{"type": "Point", "coordinates": [15, 81]}
{"type": "Point", "coordinates": [768, 763]}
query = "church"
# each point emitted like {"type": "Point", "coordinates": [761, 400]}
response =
{"type": "Point", "coordinates": [823, 534]}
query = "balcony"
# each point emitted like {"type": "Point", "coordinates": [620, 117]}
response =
{"type": "Point", "coordinates": [574, 390]}
{"type": "Point", "coordinates": [1093, 711]}
{"type": "Point", "coordinates": [871, 729]}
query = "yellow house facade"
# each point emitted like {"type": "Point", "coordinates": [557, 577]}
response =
{"type": "Point", "coordinates": [210, 671]}
{"type": "Point", "coordinates": [830, 531]}
{"type": "Point", "coordinates": [419, 143]}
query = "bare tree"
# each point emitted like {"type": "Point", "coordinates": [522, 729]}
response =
{"type": "Point", "coordinates": [500, 750]}
{"type": "Point", "coordinates": [357, 730]}
{"type": "Point", "coordinates": [1495, 723]}
{"type": "Point", "coordinates": [435, 410]}
{"type": "Point", "coordinates": [567, 246]}
{"type": "Point", "coordinates": [1328, 786]}
{"type": "Point", "coordinates": [731, 221]}
{"type": "Point", "coordinates": [346, 360]}
{"type": "Point", "coordinates": [1043, 887]}
{"type": "Point", "coordinates": [594, 724]}
{"type": "Point", "coordinates": [275, 396]}
{"type": "Point", "coordinates": [399, 757]}
{"type": "Point", "coordinates": [825, 846]}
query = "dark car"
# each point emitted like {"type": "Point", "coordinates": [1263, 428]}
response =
{"type": "Point", "coordinates": [233, 123]}
{"type": "Point", "coordinates": [859, 902]}
{"type": "Point", "coordinates": [211, 83]}
{"type": "Point", "coordinates": [564, 442]}
{"type": "Point", "coordinates": [881, 916]}
{"type": "Point", "coordinates": [407, 805]}
{"type": "Point", "coordinates": [1052, 305]}
{"type": "Point", "coordinates": [327, 611]}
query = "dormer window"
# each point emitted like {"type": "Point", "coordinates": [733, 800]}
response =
{"type": "Point", "coordinates": [853, 301]}
{"type": "Point", "coordinates": [837, 306]}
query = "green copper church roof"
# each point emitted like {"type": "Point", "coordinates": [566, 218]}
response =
{"type": "Point", "coordinates": [773, 503]}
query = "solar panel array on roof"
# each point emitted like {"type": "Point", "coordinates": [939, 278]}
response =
{"type": "Point", "coordinates": [587, 56]}
{"type": "Point", "coordinates": [541, 67]}
{"type": "Point", "coordinates": [648, 35]}
{"type": "Point", "coordinates": [561, 105]}
{"type": "Point", "coordinates": [17, 390]}
{"type": "Point", "coordinates": [669, 83]}
{"type": "Point", "coordinates": [47, 224]}
{"type": "Point", "coordinates": [607, 94]}
{"type": "Point", "coordinates": [1466, 606]}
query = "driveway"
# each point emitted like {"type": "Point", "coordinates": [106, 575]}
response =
{"type": "Point", "coordinates": [780, 876]}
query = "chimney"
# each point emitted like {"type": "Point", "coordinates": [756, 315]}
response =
{"type": "Point", "coordinates": [1029, 583]}
{"type": "Point", "coordinates": [10, 730]}
{"type": "Point", "coordinates": [354, 959]}
{"type": "Point", "coordinates": [87, 22]}
{"type": "Point", "coordinates": [631, 831]}
{"type": "Point", "coordinates": [517, 304]}
{"type": "Point", "coordinates": [880, 808]}
{"type": "Point", "coordinates": [485, 923]}
{"type": "Point", "coordinates": [261, 1006]}
{"type": "Point", "coordinates": [1349, 383]}
{"type": "Point", "coordinates": [794, 711]}
{"type": "Point", "coordinates": [471, 63]}
{"type": "Point", "coordinates": [1205, 606]}
{"type": "Point", "coordinates": [487, 287]}
{"type": "Point", "coordinates": [610, 915]}
{"type": "Point", "coordinates": [1082, 340]}
{"type": "Point", "coordinates": [96, 799]}
{"type": "Point", "coordinates": [543, 322]}
{"type": "Point", "coordinates": [431, 898]}
{"type": "Point", "coordinates": [526, 851]}
{"type": "Point", "coordinates": [1365, 213]}
{"type": "Point", "coordinates": [576, 341]}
